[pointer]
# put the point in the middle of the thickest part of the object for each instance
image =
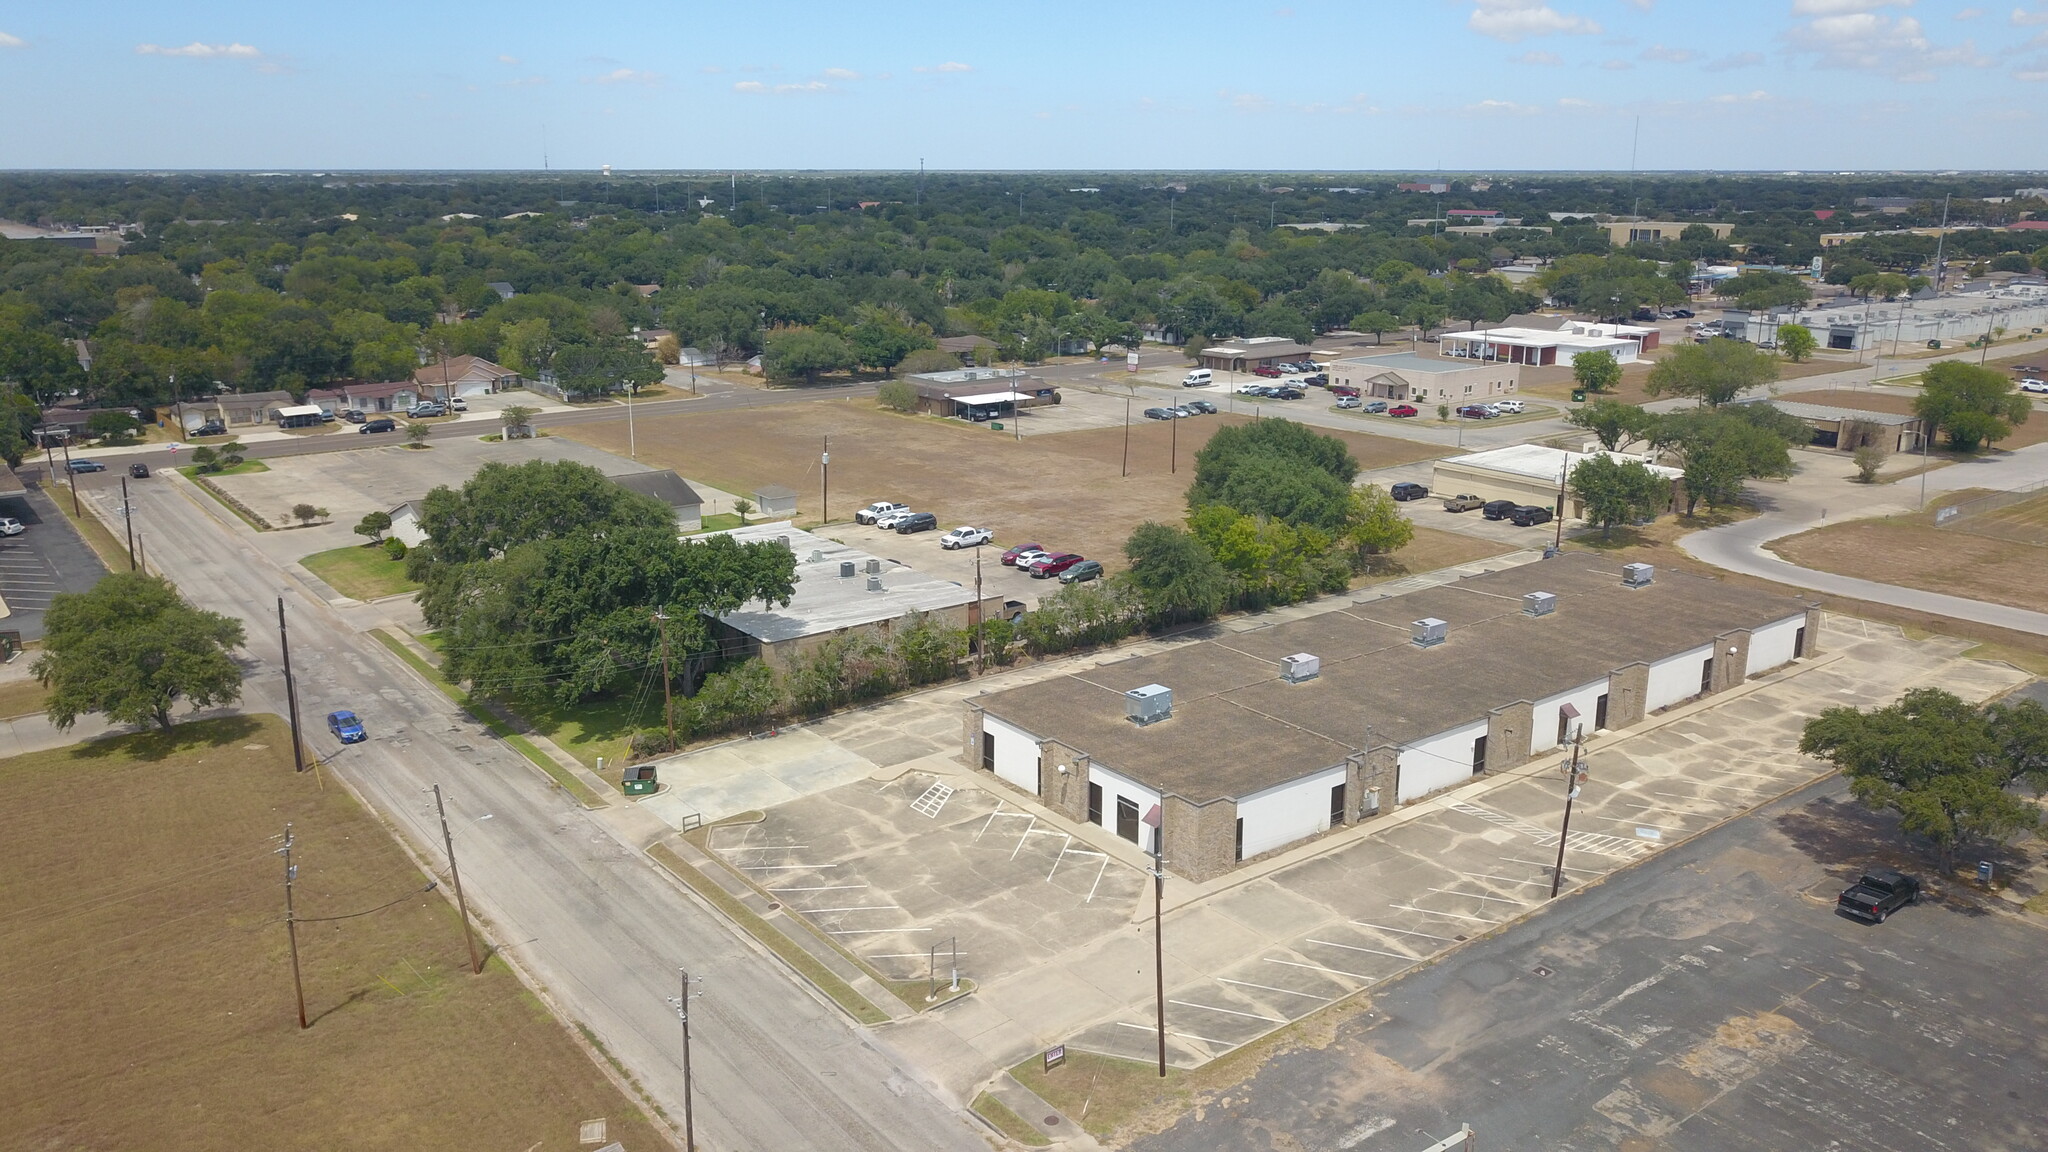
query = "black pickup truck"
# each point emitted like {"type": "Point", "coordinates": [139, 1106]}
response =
{"type": "Point", "coordinates": [1878, 894]}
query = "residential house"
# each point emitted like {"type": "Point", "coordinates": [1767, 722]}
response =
{"type": "Point", "coordinates": [238, 409]}
{"type": "Point", "coordinates": [390, 396]}
{"type": "Point", "coordinates": [464, 376]}
{"type": "Point", "coordinates": [664, 485]}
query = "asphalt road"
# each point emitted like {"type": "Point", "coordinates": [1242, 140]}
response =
{"type": "Point", "coordinates": [1710, 1000]}
{"type": "Point", "coordinates": [565, 893]}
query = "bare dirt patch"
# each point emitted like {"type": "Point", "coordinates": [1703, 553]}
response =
{"type": "Point", "coordinates": [146, 990]}
{"type": "Point", "coordinates": [1911, 551]}
{"type": "Point", "coordinates": [1066, 486]}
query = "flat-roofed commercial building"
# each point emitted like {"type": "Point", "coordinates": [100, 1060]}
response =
{"type": "Point", "coordinates": [1404, 377]}
{"type": "Point", "coordinates": [1536, 346]}
{"type": "Point", "coordinates": [1255, 742]}
{"type": "Point", "coordinates": [1525, 473]}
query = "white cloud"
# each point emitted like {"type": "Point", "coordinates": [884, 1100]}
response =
{"type": "Point", "coordinates": [2036, 73]}
{"type": "Point", "coordinates": [1969, 13]}
{"type": "Point", "coordinates": [502, 59]}
{"type": "Point", "coordinates": [805, 86]}
{"type": "Point", "coordinates": [1843, 7]}
{"type": "Point", "coordinates": [623, 76]}
{"type": "Point", "coordinates": [1738, 60]}
{"type": "Point", "coordinates": [1640, 5]}
{"type": "Point", "coordinates": [1892, 46]}
{"type": "Point", "coordinates": [841, 74]}
{"type": "Point", "coordinates": [1506, 107]}
{"type": "Point", "coordinates": [1668, 55]}
{"type": "Point", "coordinates": [7, 41]}
{"type": "Point", "coordinates": [1739, 97]}
{"type": "Point", "coordinates": [1575, 102]}
{"type": "Point", "coordinates": [1548, 59]}
{"type": "Point", "coordinates": [750, 86]}
{"type": "Point", "coordinates": [2037, 16]}
{"type": "Point", "coordinates": [948, 66]}
{"type": "Point", "coordinates": [1513, 20]}
{"type": "Point", "coordinates": [199, 51]}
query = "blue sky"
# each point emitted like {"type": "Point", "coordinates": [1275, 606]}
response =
{"type": "Point", "coordinates": [1417, 85]}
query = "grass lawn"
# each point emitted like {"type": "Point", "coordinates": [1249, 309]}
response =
{"type": "Point", "coordinates": [22, 698]}
{"type": "Point", "coordinates": [1006, 1121]}
{"type": "Point", "coordinates": [721, 522]}
{"type": "Point", "coordinates": [1911, 551]}
{"type": "Point", "coordinates": [191, 471]}
{"type": "Point", "coordinates": [149, 1000]}
{"type": "Point", "coordinates": [360, 572]}
{"type": "Point", "coordinates": [600, 727]}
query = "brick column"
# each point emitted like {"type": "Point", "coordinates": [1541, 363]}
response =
{"type": "Point", "coordinates": [1628, 689]}
{"type": "Point", "coordinates": [1508, 731]}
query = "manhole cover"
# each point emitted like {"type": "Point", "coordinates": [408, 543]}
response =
{"type": "Point", "coordinates": [774, 906]}
{"type": "Point", "coordinates": [1540, 970]}
{"type": "Point", "coordinates": [1052, 1121]}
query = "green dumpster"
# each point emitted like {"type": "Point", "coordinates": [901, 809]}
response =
{"type": "Point", "coordinates": [996, 425]}
{"type": "Point", "coordinates": [1578, 395]}
{"type": "Point", "coordinates": [640, 780]}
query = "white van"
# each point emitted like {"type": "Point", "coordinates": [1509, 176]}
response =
{"type": "Point", "coordinates": [1200, 377]}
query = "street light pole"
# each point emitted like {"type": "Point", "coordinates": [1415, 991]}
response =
{"type": "Point", "coordinates": [1573, 777]}
{"type": "Point", "coordinates": [1155, 820]}
{"type": "Point", "coordinates": [682, 1004]}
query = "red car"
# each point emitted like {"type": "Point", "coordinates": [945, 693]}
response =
{"type": "Point", "coordinates": [1268, 371]}
{"type": "Point", "coordinates": [1010, 556]}
{"type": "Point", "coordinates": [1053, 565]}
{"type": "Point", "coordinates": [1403, 410]}
{"type": "Point", "coordinates": [1343, 390]}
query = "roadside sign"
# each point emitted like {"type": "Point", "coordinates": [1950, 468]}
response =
{"type": "Point", "coordinates": [1130, 361]}
{"type": "Point", "coordinates": [1055, 1056]}
{"type": "Point", "coordinates": [1983, 871]}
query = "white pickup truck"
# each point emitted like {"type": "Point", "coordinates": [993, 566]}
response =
{"type": "Point", "coordinates": [966, 537]}
{"type": "Point", "coordinates": [880, 508]}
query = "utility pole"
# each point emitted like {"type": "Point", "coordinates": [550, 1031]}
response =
{"type": "Point", "coordinates": [73, 476]}
{"type": "Point", "coordinates": [1563, 470]}
{"type": "Point", "coordinates": [1173, 451]}
{"type": "Point", "coordinates": [682, 1004]}
{"type": "Point", "coordinates": [1155, 820]}
{"type": "Point", "coordinates": [1940, 244]}
{"type": "Point", "coordinates": [128, 518]}
{"type": "Point", "coordinates": [668, 703]}
{"type": "Point", "coordinates": [825, 483]}
{"type": "Point", "coordinates": [291, 691]}
{"type": "Point", "coordinates": [1573, 777]}
{"type": "Point", "coordinates": [1127, 436]}
{"type": "Point", "coordinates": [291, 923]}
{"type": "Point", "coordinates": [142, 554]}
{"type": "Point", "coordinates": [980, 618]}
{"type": "Point", "coordinates": [476, 964]}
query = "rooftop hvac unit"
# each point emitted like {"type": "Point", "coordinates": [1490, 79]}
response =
{"type": "Point", "coordinates": [1637, 575]}
{"type": "Point", "coordinates": [1148, 705]}
{"type": "Point", "coordinates": [817, 556]}
{"type": "Point", "coordinates": [1300, 666]}
{"type": "Point", "coordinates": [845, 568]}
{"type": "Point", "coordinates": [874, 583]}
{"type": "Point", "coordinates": [1539, 603]}
{"type": "Point", "coordinates": [1430, 632]}
{"type": "Point", "coordinates": [786, 545]}
{"type": "Point", "coordinates": [874, 565]}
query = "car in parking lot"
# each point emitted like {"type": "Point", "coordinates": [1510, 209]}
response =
{"type": "Point", "coordinates": [967, 537]}
{"type": "Point", "coordinates": [1497, 509]}
{"type": "Point", "coordinates": [139, 471]}
{"type": "Point", "coordinates": [210, 428]}
{"type": "Point", "coordinates": [1877, 894]}
{"type": "Point", "coordinates": [1268, 371]}
{"type": "Point", "coordinates": [1529, 515]}
{"type": "Point", "coordinates": [1285, 393]}
{"type": "Point", "coordinates": [1319, 379]}
{"type": "Point", "coordinates": [1408, 491]}
{"type": "Point", "coordinates": [353, 416]}
{"type": "Point", "coordinates": [1476, 412]}
{"type": "Point", "coordinates": [878, 509]}
{"type": "Point", "coordinates": [1011, 556]}
{"type": "Point", "coordinates": [1201, 406]}
{"type": "Point", "coordinates": [423, 411]}
{"type": "Point", "coordinates": [380, 424]}
{"type": "Point", "coordinates": [1084, 571]}
{"type": "Point", "coordinates": [917, 522]}
{"type": "Point", "coordinates": [1253, 388]}
{"type": "Point", "coordinates": [1182, 412]}
{"type": "Point", "coordinates": [9, 526]}
{"type": "Point", "coordinates": [1404, 410]}
{"type": "Point", "coordinates": [1349, 402]}
{"type": "Point", "coordinates": [1158, 413]}
{"type": "Point", "coordinates": [1462, 502]}
{"type": "Point", "coordinates": [1053, 563]}
{"type": "Point", "coordinates": [458, 404]}
{"type": "Point", "coordinates": [85, 466]}
{"type": "Point", "coordinates": [1375, 406]}
{"type": "Point", "coordinates": [346, 727]}
{"type": "Point", "coordinates": [1508, 407]}
{"type": "Point", "coordinates": [2032, 385]}
{"type": "Point", "coordinates": [2029, 369]}
{"type": "Point", "coordinates": [891, 519]}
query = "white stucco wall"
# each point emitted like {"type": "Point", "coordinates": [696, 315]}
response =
{"type": "Point", "coordinates": [1543, 725]}
{"type": "Point", "coordinates": [1288, 812]}
{"type": "Point", "coordinates": [1438, 761]}
{"type": "Point", "coordinates": [1771, 645]}
{"type": "Point", "coordinates": [1115, 786]}
{"type": "Point", "coordinates": [1676, 678]}
{"type": "Point", "coordinates": [1016, 753]}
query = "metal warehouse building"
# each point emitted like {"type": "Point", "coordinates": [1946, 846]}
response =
{"type": "Point", "coordinates": [1256, 741]}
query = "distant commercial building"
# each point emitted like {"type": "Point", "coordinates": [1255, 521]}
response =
{"type": "Point", "coordinates": [1406, 378]}
{"type": "Point", "coordinates": [1244, 355]}
{"type": "Point", "coordinates": [981, 393]}
{"type": "Point", "coordinates": [1659, 231]}
{"type": "Point", "coordinates": [1232, 749]}
{"type": "Point", "coordinates": [1847, 429]}
{"type": "Point", "coordinates": [1539, 346]}
{"type": "Point", "coordinates": [1528, 474]}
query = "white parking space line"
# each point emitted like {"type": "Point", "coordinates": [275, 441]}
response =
{"type": "Point", "coordinates": [1361, 948]}
{"type": "Point", "coordinates": [1502, 879]}
{"type": "Point", "coordinates": [820, 888]}
{"type": "Point", "coordinates": [1270, 988]}
{"type": "Point", "coordinates": [1637, 822]}
{"type": "Point", "coordinates": [1320, 968]}
{"type": "Point", "coordinates": [1154, 1029]}
{"type": "Point", "coordinates": [1477, 896]}
{"type": "Point", "coordinates": [1402, 931]}
{"type": "Point", "coordinates": [1230, 1011]}
{"type": "Point", "coordinates": [1445, 915]}
{"type": "Point", "coordinates": [1099, 873]}
{"type": "Point", "coordinates": [852, 908]}
{"type": "Point", "coordinates": [1552, 864]}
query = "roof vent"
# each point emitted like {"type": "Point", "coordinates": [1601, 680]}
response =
{"type": "Point", "coordinates": [845, 568]}
{"type": "Point", "coordinates": [786, 545]}
{"type": "Point", "coordinates": [1299, 667]}
{"type": "Point", "coordinates": [1430, 632]}
{"type": "Point", "coordinates": [873, 566]}
{"type": "Point", "coordinates": [1539, 603]}
{"type": "Point", "coordinates": [1637, 575]}
{"type": "Point", "coordinates": [874, 584]}
{"type": "Point", "coordinates": [817, 556]}
{"type": "Point", "coordinates": [1148, 705]}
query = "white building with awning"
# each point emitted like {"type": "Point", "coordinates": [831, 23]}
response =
{"type": "Point", "coordinates": [301, 416]}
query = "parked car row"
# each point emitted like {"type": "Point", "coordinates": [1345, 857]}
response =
{"type": "Point", "coordinates": [1271, 391]}
{"type": "Point", "coordinates": [1520, 515]}
{"type": "Point", "coordinates": [1181, 411]}
{"type": "Point", "coordinates": [1490, 410]}
{"type": "Point", "coordinates": [1041, 564]}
